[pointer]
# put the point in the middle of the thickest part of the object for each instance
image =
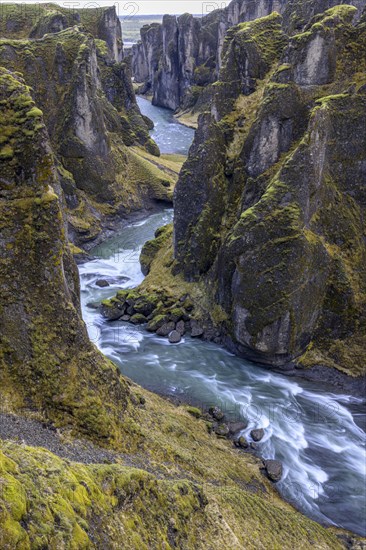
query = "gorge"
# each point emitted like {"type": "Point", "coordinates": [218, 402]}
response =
{"type": "Point", "coordinates": [262, 255]}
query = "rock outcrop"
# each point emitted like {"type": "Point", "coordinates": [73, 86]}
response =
{"type": "Point", "coordinates": [22, 21]}
{"type": "Point", "coordinates": [82, 84]}
{"type": "Point", "coordinates": [46, 359]}
{"type": "Point", "coordinates": [178, 59]}
{"type": "Point", "coordinates": [269, 207]}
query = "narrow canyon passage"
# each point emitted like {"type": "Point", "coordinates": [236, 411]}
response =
{"type": "Point", "coordinates": [318, 435]}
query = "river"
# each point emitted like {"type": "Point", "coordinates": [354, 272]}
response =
{"type": "Point", "coordinates": [318, 434]}
{"type": "Point", "coordinates": [171, 136]}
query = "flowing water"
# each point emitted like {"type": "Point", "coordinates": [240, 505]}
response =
{"type": "Point", "coordinates": [169, 134]}
{"type": "Point", "coordinates": [319, 435]}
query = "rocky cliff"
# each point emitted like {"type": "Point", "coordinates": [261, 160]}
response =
{"type": "Point", "coordinates": [88, 459]}
{"type": "Point", "coordinates": [80, 81]}
{"type": "Point", "coordinates": [178, 59]}
{"type": "Point", "coordinates": [269, 235]}
{"type": "Point", "coordinates": [270, 205]}
{"type": "Point", "coordinates": [43, 340]}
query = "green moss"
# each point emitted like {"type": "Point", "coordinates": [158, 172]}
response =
{"type": "Point", "coordinates": [6, 152]}
{"type": "Point", "coordinates": [194, 411]}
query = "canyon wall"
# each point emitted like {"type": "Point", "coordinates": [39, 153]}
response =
{"type": "Point", "coordinates": [270, 205]}
{"type": "Point", "coordinates": [178, 59]}
{"type": "Point", "coordinates": [81, 82]}
{"type": "Point", "coordinates": [47, 361]}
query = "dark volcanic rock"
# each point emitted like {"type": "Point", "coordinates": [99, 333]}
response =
{"type": "Point", "coordinates": [241, 442]}
{"type": "Point", "coordinates": [271, 199]}
{"type": "Point", "coordinates": [138, 319]}
{"type": "Point", "coordinates": [102, 283]}
{"type": "Point", "coordinates": [273, 469]}
{"type": "Point", "coordinates": [175, 337]}
{"type": "Point", "coordinates": [257, 434]}
{"type": "Point", "coordinates": [236, 427]}
{"type": "Point", "coordinates": [216, 412]}
{"type": "Point", "coordinates": [165, 329]}
{"type": "Point", "coordinates": [222, 430]}
{"type": "Point", "coordinates": [196, 329]}
{"type": "Point", "coordinates": [180, 327]}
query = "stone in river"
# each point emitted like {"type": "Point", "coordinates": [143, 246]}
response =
{"type": "Point", "coordinates": [241, 442]}
{"type": "Point", "coordinates": [257, 434]}
{"type": "Point", "coordinates": [196, 330]}
{"type": "Point", "coordinates": [273, 469]}
{"type": "Point", "coordinates": [138, 319]}
{"type": "Point", "coordinates": [180, 327]}
{"type": "Point", "coordinates": [175, 337]}
{"type": "Point", "coordinates": [93, 305]}
{"type": "Point", "coordinates": [102, 283]}
{"type": "Point", "coordinates": [236, 427]}
{"type": "Point", "coordinates": [216, 412]}
{"type": "Point", "coordinates": [165, 329]}
{"type": "Point", "coordinates": [222, 430]}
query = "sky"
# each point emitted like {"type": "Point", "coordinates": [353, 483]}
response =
{"type": "Point", "coordinates": [127, 8]}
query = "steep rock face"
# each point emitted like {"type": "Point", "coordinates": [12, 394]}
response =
{"type": "Point", "coordinates": [91, 115]}
{"type": "Point", "coordinates": [189, 59]}
{"type": "Point", "coordinates": [166, 90]}
{"type": "Point", "coordinates": [204, 173]}
{"type": "Point", "coordinates": [146, 54]}
{"type": "Point", "coordinates": [109, 30]}
{"type": "Point", "coordinates": [283, 255]}
{"type": "Point", "coordinates": [297, 14]}
{"type": "Point", "coordinates": [189, 56]}
{"type": "Point", "coordinates": [36, 20]}
{"type": "Point", "coordinates": [47, 362]}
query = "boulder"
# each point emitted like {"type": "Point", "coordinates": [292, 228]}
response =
{"type": "Point", "coordinates": [93, 305]}
{"type": "Point", "coordinates": [241, 442]}
{"type": "Point", "coordinates": [257, 434]}
{"type": "Point", "coordinates": [138, 319]}
{"type": "Point", "coordinates": [236, 427]}
{"type": "Point", "coordinates": [273, 469]}
{"type": "Point", "coordinates": [222, 430]}
{"type": "Point", "coordinates": [112, 310]}
{"type": "Point", "coordinates": [156, 322]}
{"type": "Point", "coordinates": [180, 327]}
{"type": "Point", "coordinates": [102, 283]}
{"type": "Point", "coordinates": [177, 314]}
{"type": "Point", "coordinates": [165, 329]}
{"type": "Point", "coordinates": [175, 337]}
{"type": "Point", "coordinates": [196, 330]}
{"type": "Point", "coordinates": [216, 412]}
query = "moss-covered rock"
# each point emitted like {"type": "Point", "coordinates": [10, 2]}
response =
{"type": "Point", "coordinates": [290, 200]}
{"type": "Point", "coordinates": [150, 248]}
{"type": "Point", "coordinates": [43, 339]}
{"type": "Point", "coordinates": [78, 78]}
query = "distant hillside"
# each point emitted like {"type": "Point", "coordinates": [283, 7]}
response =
{"type": "Point", "coordinates": [131, 26]}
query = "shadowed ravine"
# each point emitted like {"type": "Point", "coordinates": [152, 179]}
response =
{"type": "Point", "coordinates": [318, 435]}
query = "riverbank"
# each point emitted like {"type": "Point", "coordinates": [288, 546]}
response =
{"type": "Point", "coordinates": [185, 118]}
